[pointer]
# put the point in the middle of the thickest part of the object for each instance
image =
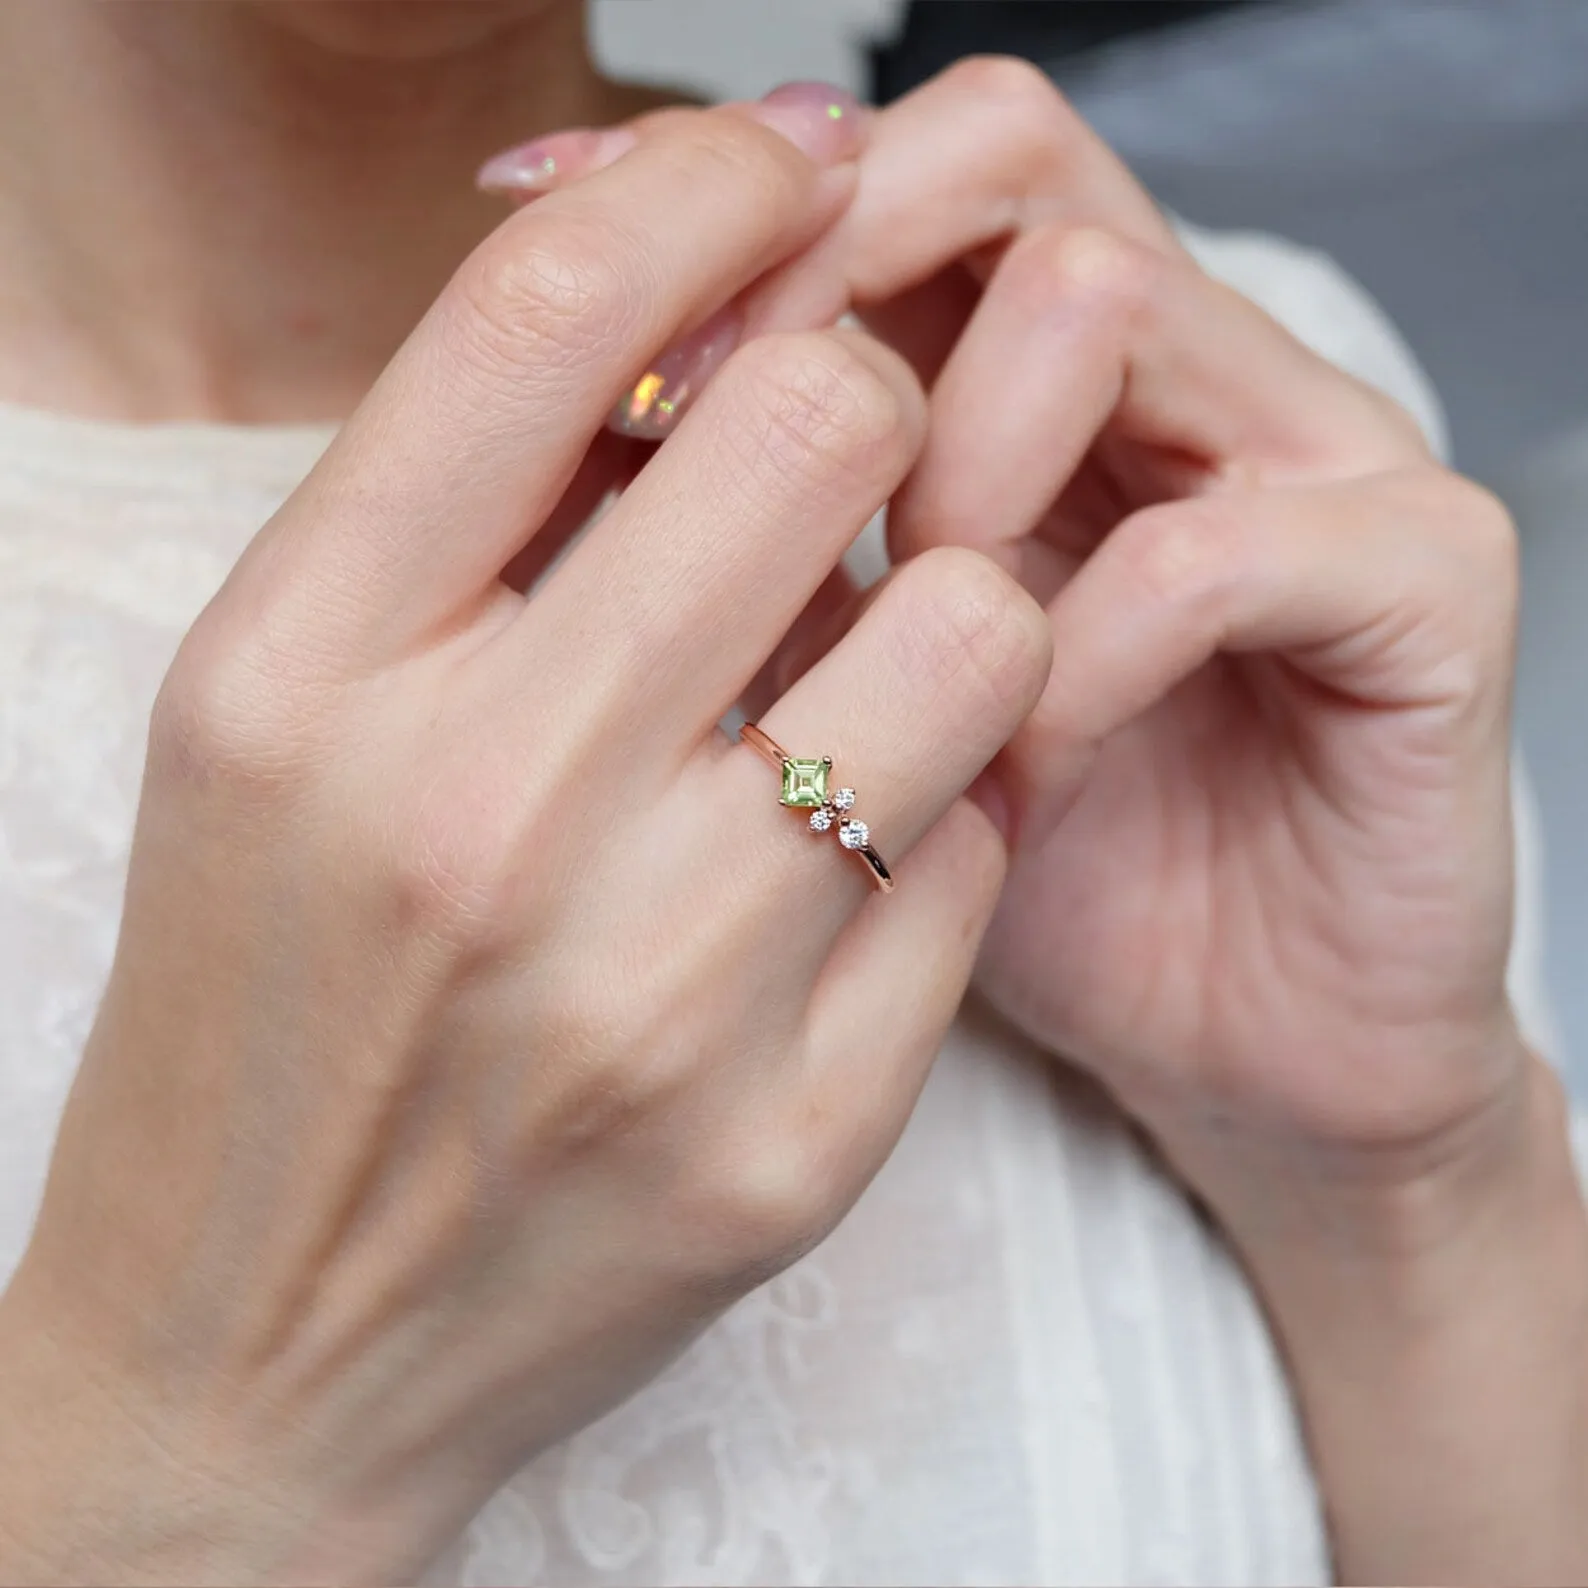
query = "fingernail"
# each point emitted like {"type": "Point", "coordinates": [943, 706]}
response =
{"type": "Point", "coordinates": [656, 402]}
{"type": "Point", "coordinates": [822, 121]}
{"type": "Point", "coordinates": [531, 169]}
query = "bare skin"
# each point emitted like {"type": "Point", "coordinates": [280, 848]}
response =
{"type": "Point", "coordinates": [1252, 574]}
{"type": "Point", "coordinates": [237, 211]}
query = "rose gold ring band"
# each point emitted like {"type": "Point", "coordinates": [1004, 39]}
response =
{"type": "Point", "coordinates": [805, 788]}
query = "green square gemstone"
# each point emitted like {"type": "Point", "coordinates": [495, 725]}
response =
{"type": "Point", "coordinates": [805, 782]}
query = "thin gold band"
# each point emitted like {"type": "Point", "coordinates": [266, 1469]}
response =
{"type": "Point", "coordinates": [853, 833]}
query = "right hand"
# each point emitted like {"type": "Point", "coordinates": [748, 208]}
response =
{"type": "Point", "coordinates": [480, 1025]}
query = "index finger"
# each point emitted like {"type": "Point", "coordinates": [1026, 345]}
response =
{"type": "Point", "coordinates": [473, 432]}
{"type": "Point", "coordinates": [953, 173]}
{"type": "Point", "coordinates": [1084, 336]}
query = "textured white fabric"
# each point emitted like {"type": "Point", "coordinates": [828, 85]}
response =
{"type": "Point", "coordinates": [1022, 1359]}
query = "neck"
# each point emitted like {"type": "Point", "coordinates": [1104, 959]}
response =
{"type": "Point", "coordinates": [203, 214]}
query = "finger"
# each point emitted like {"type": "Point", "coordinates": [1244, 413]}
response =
{"type": "Point", "coordinates": [835, 610]}
{"type": "Point", "coordinates": [895, 979]}
{"type": "Point", "coordinates": [609, 464]}
{"type": "Point", "coordinates": [528, 171]}
{"type": "Point", "coordinates": [475, 430]}
{"type": "Point", "coordinates": [826, 617]}
{"type": "Point", "coordinates": [1396, 592]}
{"type": "Point", "coordinates": [863, 1046]}
{"type": "Point", "coordinates": [1082, 335]}
{"type": "Point", "coordinates": [661, 616]}
{"type": "Point", "coordinates": [806, 292]}
{"type": "Point", "coordinates": [911, 705]}
{"type": "Point", "coordinates": [809, 292]}
{"type": "Point", "coordinates": [954, 171]}
{"type": "Point", "coordinates": [983, 152]}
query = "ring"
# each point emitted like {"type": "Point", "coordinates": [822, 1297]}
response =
{"type": "Point", "coordinates": [805, 788]}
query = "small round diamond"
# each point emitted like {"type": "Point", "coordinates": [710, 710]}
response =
{"type": "Point", "coordinates": [821, 820]}
{"type": "Point", "coordinates": [844, 799]}
{"type": "Point", "coordinates": [854, 835]}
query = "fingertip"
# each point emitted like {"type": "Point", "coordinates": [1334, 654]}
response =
{"type": "Point", "coordinates": [895, 373]}
{"type": "Point", "coordinates": [825, 123]}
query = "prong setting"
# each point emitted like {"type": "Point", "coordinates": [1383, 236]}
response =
{"type": "Point", "coordinates": [807, 786]}
{"type": "Point", "coordinates": [836, 804]}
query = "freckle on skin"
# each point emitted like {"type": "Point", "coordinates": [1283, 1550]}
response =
{"type": "Point", "coordinates": [306, 324]}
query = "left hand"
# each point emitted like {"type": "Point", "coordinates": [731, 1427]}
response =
{"type": "Point", "coordinates": [1263, 888]}
{"type": "Point", "coordinates": [1263, 880]}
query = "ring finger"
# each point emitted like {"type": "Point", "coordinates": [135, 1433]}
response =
{"type": "Point", "coordinates": [659, 618]}
{"type": "Point", "coordinates": [910, 706]}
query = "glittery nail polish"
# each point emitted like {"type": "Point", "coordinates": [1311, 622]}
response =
{"type": "Point", "coordinates": [531, 169]}
{"type": "Point", "coordinates": [656, 402]}
{"type": "Point", "coordinates": [823, 121]}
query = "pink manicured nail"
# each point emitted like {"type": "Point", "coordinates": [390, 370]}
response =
{"type": "Point", "coordinates": [534, 168]}
{"type": "Point", "coordinates": [656, 402]}
{"type": "Point", "coordinates": [822, 121]}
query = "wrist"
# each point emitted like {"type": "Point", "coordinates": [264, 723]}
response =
{"type": "Point", "coordinates": [1395, 1196]}
{"type": "Point", "coordinates": [1432, 1309]}
{"type": "Point", "coordinates": [1497, 1184]}
{"type": "Point", "coordinates": [97, 1483]}
{"type": "Point", "coordinates": [104, 1478]}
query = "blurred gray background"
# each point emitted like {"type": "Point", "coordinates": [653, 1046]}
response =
{"type": "Point", "coordinates": [1437, 148]}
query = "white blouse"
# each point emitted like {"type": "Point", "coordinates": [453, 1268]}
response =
{"type": "Point", "coordinates": [1022, 1359]}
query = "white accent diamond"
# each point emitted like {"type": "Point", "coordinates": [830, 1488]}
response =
{"type": "Point", "coordinates": [854, 835]}
{"type": "Point", "coordinates": [821, 819]}
{"type": "Point", "coordinates": [844, 800]}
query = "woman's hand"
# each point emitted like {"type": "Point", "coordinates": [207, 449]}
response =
{"type": "Point", "coordinates": [1264, 883]}
{"type": "Point", "coordinates": [480, 1025]}
{"type": "Point", "coordinates": [1263, 889]}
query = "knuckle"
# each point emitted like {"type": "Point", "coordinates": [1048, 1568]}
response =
{"type": "Point", "coordinates": [1182, 554]}
{"type": "Point", "coordinates": [1024, 96]}
{"type": "Point", "coordinates": [1403, 434]}
{"type": "Point", "coordinates": [1487, 521]}
{"type": "Point", "coordinates": [1466, 519]}
{"type": "Point", "coordinates": [972, 628]}
{"type": "Point", "coordinates": [619, 1039]}
{"type": "Point", "coordinates": [1479, 512]}
{"type": "Point", "coordinates": [760, 1203]}
{"type": "Point", "coordinates": [469, 850]}
{"type": "Point", "coordinates": [219, 721]}
{"type": "Point", "coordinates": [1058, 261]}
{"type": "Point", "coordinates": [1491, 554]}
{"type": "Point", "coordinates": [740, 163]}
{"type": "Point", "coordinates": [610, 1079]}
{"type": "Point", "coordinates": [548, 295]}
{"type": "Point", "coordinates": [445, 879]}
{"type": "Point", "coordinates": [820, 410]}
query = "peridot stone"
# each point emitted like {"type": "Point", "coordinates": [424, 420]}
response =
{"type": "Point", "coordinates": [805, 782]}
